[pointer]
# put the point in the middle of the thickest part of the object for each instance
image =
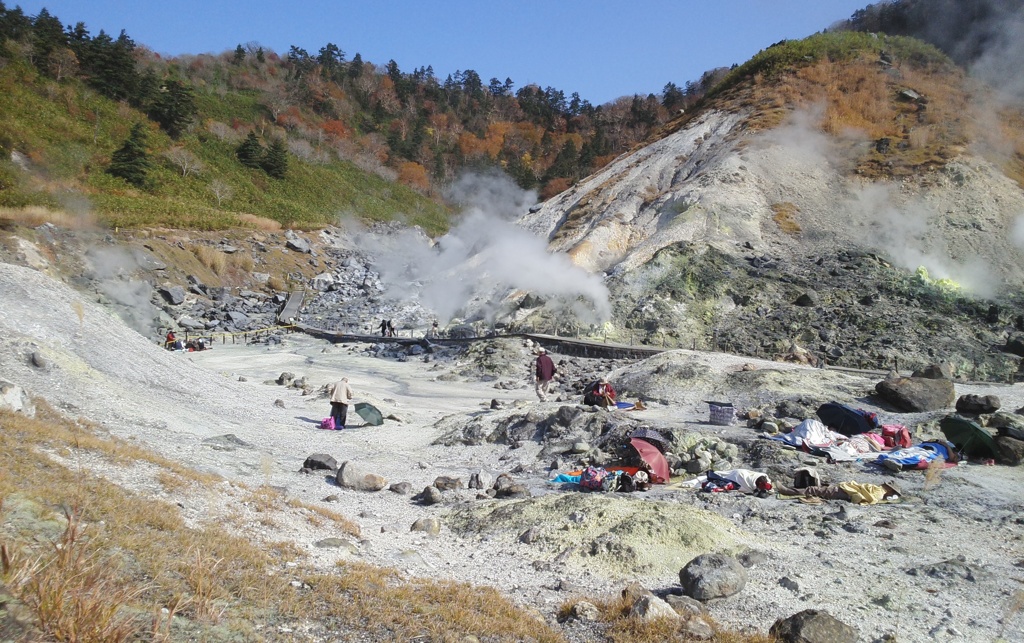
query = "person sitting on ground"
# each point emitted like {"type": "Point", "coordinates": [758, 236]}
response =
{"type": "Point", "coordinates": [855, 492]}
{"type": "Point", "coordinates": [600, 394]}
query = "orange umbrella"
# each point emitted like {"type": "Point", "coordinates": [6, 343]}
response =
{"type": "Point", "coordinates": [654, 459]}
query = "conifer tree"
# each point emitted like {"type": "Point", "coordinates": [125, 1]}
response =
{"type": "Point", "coordinates": [275, 163]}
{"type": "Point", "coordinates": [239, 55]}
{"type": "Point", "coordinates": [131, 161]}
{"type": "Point", "coordinates": [250, 153]}
{"type": "Point", "coordinates": [174, 107]}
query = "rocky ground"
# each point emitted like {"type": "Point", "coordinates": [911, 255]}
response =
{"type": "Point", "coordinates": [942, 564]}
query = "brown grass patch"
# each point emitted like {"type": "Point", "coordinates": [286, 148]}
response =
{"type": "Point", "coordinates": [341, 521]}
{"type": "Point", "coordinates": [259, 223]}
{"type": "Point", "coordinates": [933, 474]}
{"type": "Point", "coordinates": [785, 217]}
{"type": "Point", "coordinates": [241, 261]}
{"type": "Point", "coordinates": [33, 216]}
{"type": "Point", "coordinates": [126, 565]}
{"type": "Point", "coordinates": [623, 628]}
{"type": "Point", "coordinates": [277, 283]}
{"type": "Point", "coordinates": [212, 258]}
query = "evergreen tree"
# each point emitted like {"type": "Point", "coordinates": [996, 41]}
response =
{"type": "Point", "coordinates": [260, 58]}
{"type": "Point", "coordinates": [275, 163]}
{"type": "Point", "coordinates": [355, 68]}
{"type": "Point", "coordinates": [672, 97]}
{"type": "Point", "coordinates": [47, 37]}
{"type": "Point", "coordinates": [174, 107]}
{"type": "Point", "coordinates": [14, 26]}
{"type": "Point", "coordinates": [250, 153]}
{"type": "Point", "coordinates": [131, 161]}
{"type": "Point", "coordinates": [239, 57]}
{"type": "Point", "coordinates": [107, 64]}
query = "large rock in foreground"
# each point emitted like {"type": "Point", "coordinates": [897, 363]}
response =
{"type": "Point", "coordinates": [712, 576]}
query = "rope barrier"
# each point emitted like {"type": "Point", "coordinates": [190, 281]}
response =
{"type": "Point", "coordinates": [224, 335]}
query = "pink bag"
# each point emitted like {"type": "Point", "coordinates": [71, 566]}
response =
{"type": "Point", "coordinates": [327, 424]}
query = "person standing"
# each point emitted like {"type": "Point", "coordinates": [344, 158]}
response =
{"type": "Point", "coordinates": [341, 396]}
{"type": "Point", "coordinates": [544, 372]}
{"type": "Point", "coordinates": [383, 328]}
{"type": "Point", "coordinates": [391, 329]}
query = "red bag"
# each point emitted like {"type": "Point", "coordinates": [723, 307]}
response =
{"type": "Point", "coordinates": [896, 436]}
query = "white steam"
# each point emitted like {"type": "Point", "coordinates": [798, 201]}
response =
{"type": "Point", "coordinates": [132, 298]}
{"type": "Point", "coordinates": [484, 258]}
{"type": "Point", "coordinates": [906, 230]}
{"type": "Point", "coordinates": [906, 235]}
{"type": "Point", "coordinates": [1000, 62]}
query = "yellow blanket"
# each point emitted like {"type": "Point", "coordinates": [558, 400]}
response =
{"type": "Point", "coordinates": [863, 493]}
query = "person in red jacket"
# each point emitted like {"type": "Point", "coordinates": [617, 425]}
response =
{"type": "Point", "coordinates": [544, 372]}
{"type": "Point", "coordinates": [600, 393]}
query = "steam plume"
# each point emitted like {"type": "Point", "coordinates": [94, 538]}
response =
{"type": "Point", "coordinates": [484, 258]}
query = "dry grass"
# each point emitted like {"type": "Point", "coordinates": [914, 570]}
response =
{"type": "Point", "coordinates": [33, 216]}
{"type": "Point", "coordinates": [933, 474]}
{"type": "Point", "coordinates": [861, 101]}
{"type": "Point", "coordinates": [126, 565]}
{"type": "Point", "coordinates": [623, 628]}
{"type": "Point", "coordinates": [75, 590]}
{"type": "Point", "coordinates": [785, 217]}
{"type": "Point", "coordinates": [212, 258]}
{"type": "Point", "coordinates": [366, 597]}
{"type": "Point", "coordinates": [277, 283]}
{"type": "Point", "coordinates": [346, 525]}
{"type": "Point", "coordinates": [241, 261]}
{"type": "Point", "coordinates": [259, 223]}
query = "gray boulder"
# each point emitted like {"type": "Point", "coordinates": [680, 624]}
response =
{"type": "Point", "coordinates": [1015, 344]}
{"type": "Point", "coordinates": [16, 399]}
{"type": "Point", "coordinates": [712, 576]}
{"type": "Point", "coordinates": [173, 295]}
{"type": "Point", "coordinates": [650, 607]}
{"type": "Point", "coordinates": [429, 496]}
{"type": "Point", "coordinates": [298, 244]}
{"type": "Point", "coordinates": [401, 488]}
{"type": "Point", "coordinates": [322, 282]}
{"type": "Point", "coordinates": [351, 476]}
{"type": "Point", "coordinates": [320, 461]}
{"type": "Point", "coordinates": [917, 394]}
{"type": "Point", "coordinates": [1009, 451]}
{"type": "Point", "coordinates": [939, 371]}
{"type": "Point", "coordinates": [430, 526]}
{"type": "Point", "coordinates": [448, 483]}
{"type": "Point", "coordinates": [813, 626]}
{"type": "Point", "coordinates": [977, 404]}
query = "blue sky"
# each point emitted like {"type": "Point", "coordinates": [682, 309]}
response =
{"type": "Point", "coordinates": [602, 49]}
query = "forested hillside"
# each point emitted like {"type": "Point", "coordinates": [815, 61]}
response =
{"type": "Point", "coordinates": [297, 138]}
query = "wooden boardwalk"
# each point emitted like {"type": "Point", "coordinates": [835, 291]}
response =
{"type": "Point", "coordinates": [291, 307]}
